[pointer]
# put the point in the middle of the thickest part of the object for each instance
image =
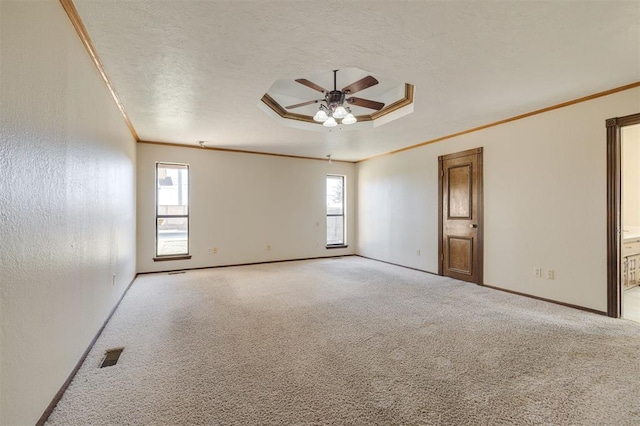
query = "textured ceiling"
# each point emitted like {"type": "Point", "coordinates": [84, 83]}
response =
{"type": "Point", "coordinates": [196, 70]}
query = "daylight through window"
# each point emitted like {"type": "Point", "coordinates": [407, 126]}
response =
{"type": "Point", "coordinates": [172, 209]}
{"type": "Point", "coordinates": [335, 210]}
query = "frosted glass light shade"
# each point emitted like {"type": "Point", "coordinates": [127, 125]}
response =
{"type": "Point", "coordinates": [349, 119]}
{"type": "Point", "coordinates": [330, 122]}
{"type": "Point", "coordinates": [340, 112]}
{"type": "Point", "coordinates": [320, 116]}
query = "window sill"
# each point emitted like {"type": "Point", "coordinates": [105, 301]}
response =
{"type": "Point", "coordinates": [337, 246]}
{"type": "Point", "coordinates": [166, 258]}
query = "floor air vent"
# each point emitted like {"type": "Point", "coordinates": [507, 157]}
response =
{"type": "Point", "coordinates": [111, 357]}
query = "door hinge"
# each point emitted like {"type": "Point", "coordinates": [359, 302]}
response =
{"type": "Point", "coordinates": [441, 172]}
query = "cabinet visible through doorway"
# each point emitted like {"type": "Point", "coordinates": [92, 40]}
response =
{"type": "Point", "coordinates": [630, 263]}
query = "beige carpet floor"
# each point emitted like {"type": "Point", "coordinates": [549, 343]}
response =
{"type": "Point", "coordinates": [351, 341]}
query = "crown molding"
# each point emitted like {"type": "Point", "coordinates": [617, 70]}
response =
{"type": "Point", "coordinates": [508, 120]}
{"type": "Point", "coordinates": [241, 151]}
{"type": "Point", "coordinates": [74, 17]}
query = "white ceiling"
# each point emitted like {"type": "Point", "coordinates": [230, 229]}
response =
{"type": "Point", "coordinates": [196, 70]}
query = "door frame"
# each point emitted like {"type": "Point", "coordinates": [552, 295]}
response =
{"type": "Point", "coordinates": [479, 261]}
{"type": "Point", "coordinates": [614, 210]}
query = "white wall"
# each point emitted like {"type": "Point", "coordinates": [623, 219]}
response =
{"type": "Point", "coordinates": [631, 176]}
{"type": "Point", "coordinates": [544, 193]}
{"type": "Point", "coordinates": [67, 205]}
{"type": "Point", "coordinates": [240, 203]}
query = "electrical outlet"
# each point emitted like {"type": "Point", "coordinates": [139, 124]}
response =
{"type": "Point", "coordinates": [268, 248]}
{"type": "Point", "coordinates": [113, 280]}
{"type": "Point", "coordinates": [215, 250]}
{"type": "Point", "coordinates": [551, 274]}
{"type": "Point", "coordinates": [537, 272]}
{"type": "Point", "coordinates": [418, 252]}
{"type": "Point", "coordinates": [208, 250]}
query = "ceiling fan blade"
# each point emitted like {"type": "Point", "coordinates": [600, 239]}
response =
{"type": "Point", "coordinates": [303, 104]}
{"type": "Point", "coordinates": [361, 84]}
{"type": "Point", "coordinates": [311, 85]}
{"type": "Point", "coordinates": [366, 103]}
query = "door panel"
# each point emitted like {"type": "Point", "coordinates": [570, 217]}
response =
{"type": "Point", "coordinates": [459, 178]}
{"type": "Point", "coordinates": [460, 255]}
{"type": "Point", "coordinates": [460, 220]}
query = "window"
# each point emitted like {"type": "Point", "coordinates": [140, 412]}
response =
{"type": "Point", "coordinates": [335, 211]}
{"type": "Point", "coordinates": [172, 210]}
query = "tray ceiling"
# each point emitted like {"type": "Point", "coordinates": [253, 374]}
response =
{"type": "Point", "coordinates": [196, 70]}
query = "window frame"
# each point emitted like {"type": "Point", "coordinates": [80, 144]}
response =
{"type": "Point", "coordinates": [344, 211]}
{"type": "Point", "coordinates": [176, 256]}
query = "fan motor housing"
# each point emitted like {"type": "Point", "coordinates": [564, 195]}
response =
{"type": "Point", "coordinates": [335, 97]}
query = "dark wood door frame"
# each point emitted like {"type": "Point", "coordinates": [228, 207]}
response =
{"type": "Point", "coordinates": [614, 210]}
{"type": "Point", "coordinates": [479, 260]}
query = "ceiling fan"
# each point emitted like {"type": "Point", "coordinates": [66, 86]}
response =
{"type": "Point", "coordinates": [333, 106]}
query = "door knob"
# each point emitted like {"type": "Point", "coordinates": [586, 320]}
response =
{"type": "Point", "coordinates": [473, 225]}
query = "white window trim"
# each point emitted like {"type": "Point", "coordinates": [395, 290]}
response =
{"type": "Point", "coordinates": [181, 256]}
{"type": "Point", "coordinates": [344, 243]}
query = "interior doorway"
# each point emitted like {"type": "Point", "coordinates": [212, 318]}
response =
{"type": "Point", "coordinates": [623, 217]}
{"type": "Point", "coordinates": [630, 202]}
{"type": "Point", "coordinates": [460, 223]}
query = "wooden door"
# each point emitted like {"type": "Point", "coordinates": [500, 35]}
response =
{"type": "Point", "coordinates": [460, 224]}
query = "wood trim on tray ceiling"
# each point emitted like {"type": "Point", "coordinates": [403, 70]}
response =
{"type": "Point", "coordinates": [74, 17]}
{"type": "Point", "coordinates": [407, 99]}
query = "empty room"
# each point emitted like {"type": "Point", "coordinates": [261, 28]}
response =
{"type": "Point", "coordinates": [349, 213]}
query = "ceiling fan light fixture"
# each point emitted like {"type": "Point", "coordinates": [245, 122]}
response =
{"type": "Point", "coordinates": [330, 122]}
{"type": "Point", "coordinates": [332, 109]}
{"type": "Point", "coordinates": [320, 116]}
{"type": "Point", "coordinates": [340, 112]}
{"type": "Point", "coordinates": [349, 119]}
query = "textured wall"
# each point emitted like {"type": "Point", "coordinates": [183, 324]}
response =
{"type": "Point", "coordinates": [67, 205]}
{"type": "Point", "coordinates": [545, 201]}
{"type": "Point", "coordinates": [240, 203]}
